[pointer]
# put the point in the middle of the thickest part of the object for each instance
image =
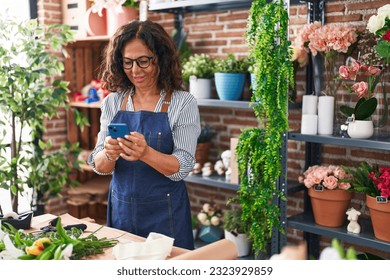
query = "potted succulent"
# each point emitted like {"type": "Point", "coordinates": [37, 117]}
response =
{"type": "Point", "coordinates": [198, 71]}
{"type": "Point", "coordinates": [31, 93]}
{"type": "Point", "coordinates": [374, 182]}
{"type": "Point", "coordinates": [230, 74]}
{"type": "Point", "coordinates": [236, 229]}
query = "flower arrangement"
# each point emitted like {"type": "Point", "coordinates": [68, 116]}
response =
{"type": "Point", "coordinates": [370, 179]}
{"type": "Point", "coordinates": [329, 40]}
{"type": "Point", "coordinates": [330, 177]}
{"type": "Point", "coordinates": [60, 244]}
{"type": "Point", "coordinates": [199, 65]}
{"type": "Point", "coordinates": [355, 71]}
{"type": "Point", "coordinates": [380, 25]}
{"type": "Point", "coordinates": [210, 215]}
{"type": "Point", "coordinates": [99, 5]}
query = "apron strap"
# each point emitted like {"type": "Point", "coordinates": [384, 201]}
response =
{"type": "Point", "coordinates": [124, 102]}
{"type": "Point", "coordinates": [166, 103]}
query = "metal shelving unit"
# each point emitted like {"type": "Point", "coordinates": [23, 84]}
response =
{"type": "Point", "coordinates": [305, 221]}
{"type": "Point", "coordinates": [213, 181]}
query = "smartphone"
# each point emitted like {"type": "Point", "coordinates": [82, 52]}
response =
{"type": "Point", "coordinates": [118, 130]}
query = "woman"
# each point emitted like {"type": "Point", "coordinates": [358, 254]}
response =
{"type": "Point", "coordinates": [147, 191]}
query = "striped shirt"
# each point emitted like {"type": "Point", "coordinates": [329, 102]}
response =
{"type": "Point", "coordinates": [184, 121]}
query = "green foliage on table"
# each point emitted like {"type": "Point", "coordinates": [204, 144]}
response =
{"type": "Point", "coordinates": [58, 240]}
{"type": "Point", "coordinates": [231, 64]}
{"type": "Point", "coordinates": [259, 149]}
{"type": "Point", "coordinates": [199, 65]}
{"type": "Point", "coordinates": [31, 93]}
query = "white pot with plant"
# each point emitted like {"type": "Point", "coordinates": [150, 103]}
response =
{"type": "Point", "coordinates": [198, 72]}
{"type": "Point", "coordinates": [236, 230]}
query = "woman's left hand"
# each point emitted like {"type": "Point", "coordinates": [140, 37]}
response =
{"type": "Point", "coordinates": [134, 146]}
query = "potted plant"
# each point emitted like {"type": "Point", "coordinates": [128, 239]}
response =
{"type": "Point", "coordinates": [328, 193]}
{"type": "Point", "coordinates": [207, 133]}
{"type": "Point", "coordinates": [374, 182]}
{"type": "Point", "coordinates": [360, 124]}
{"type": "Point", "coordinates": [198, 71]}
{"type": "Point", "coordinates": [236, 229]}
{"type": "Point", "coordinates": [258, 151]}
{"type": "Point", "coordinates": [210, 218]}
{"type": "Point", "coordinates": [230, 74]}
{"type": "Point", "coordinates": [32, 92]}
{"type": "Point", "coordinates": [115, 12]}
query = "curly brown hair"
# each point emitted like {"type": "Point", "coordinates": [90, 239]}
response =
{"type": "Point", "coordinates": [157, 40]}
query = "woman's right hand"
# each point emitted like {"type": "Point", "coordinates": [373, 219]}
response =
{"type": "Point", "coordinates": [112, 148]}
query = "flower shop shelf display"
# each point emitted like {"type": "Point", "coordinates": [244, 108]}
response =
{"type": "Point", "coordinates": [329, 196]}
{"type": "Point", "coordinates": [328, 45]}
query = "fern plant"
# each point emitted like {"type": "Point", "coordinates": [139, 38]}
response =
{"type": "Point", "coordinates": [258, 149]}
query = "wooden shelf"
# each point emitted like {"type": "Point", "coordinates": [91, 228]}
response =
{"type": "Point", "coordinates": [81, 104]}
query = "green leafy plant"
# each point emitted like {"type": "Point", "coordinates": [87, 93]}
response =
{"type": "Point", "coordinates": [31, 93]}
{"type": "Point", "coordinates": [231, 64]}
{"type": "Point", "coordinates": [199, 65]}
{"type": "Point", "coordinates": [361, 181]}
{"type": "Point", "coordinates": [232, 221]}
{"type": "Point", "coordinates": [258, 149]}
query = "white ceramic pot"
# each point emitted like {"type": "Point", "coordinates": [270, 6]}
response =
{"type": "Point", "coordinates": [360, 129]}
{"type": "Point", "coordinates": [200, 88]}
{"type": "Point", "coordinates": [241, 241]}
{"type": "Point", "coordinates": [195, 232]}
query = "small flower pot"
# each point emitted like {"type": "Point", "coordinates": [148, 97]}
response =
{"type": "Point", "coordinates": [329, 206]}
{"type": "Point", "coordinates": [210, 234]}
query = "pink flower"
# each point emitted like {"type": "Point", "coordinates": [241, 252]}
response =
{"type": "Point", "coordinates": [330, 182]}
{"type": "Point", "coordinates": [361, 89]}
{"type": "Point", "coordinates": [373, 71]}
{"type": "Point", "coordinates": [344, 72]}
{"type": "Point", "coordinates": [344, 186]}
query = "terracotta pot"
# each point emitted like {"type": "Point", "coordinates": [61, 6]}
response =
{"type": "Point", "coordinates": [329, 206]}
{"type": "Point", "coordinates": [202, 152]}
{"type": "Point", "coordinates": [116, 19]}
{"type": "Point", "coordinates": [380, 217]}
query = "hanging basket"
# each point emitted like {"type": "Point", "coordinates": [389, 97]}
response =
{"type": "Point", "coordinates": [329, 206]}
{"type": "Point", "coordinates": [380, 218]}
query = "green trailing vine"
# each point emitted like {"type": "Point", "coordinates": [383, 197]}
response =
{"type": "Point", "coordinates": [258, 150]}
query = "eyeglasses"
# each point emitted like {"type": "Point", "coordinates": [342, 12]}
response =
{"type": "Point", "coordinates": [142, 62]}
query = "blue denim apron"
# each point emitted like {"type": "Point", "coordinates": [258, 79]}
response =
{"type": "Point", "coordinates": [142, 200]}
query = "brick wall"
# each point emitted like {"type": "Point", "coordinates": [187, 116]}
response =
{"type": "Point", "coordinates": [218, 33]}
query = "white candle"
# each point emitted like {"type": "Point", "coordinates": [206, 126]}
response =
{"type": "Point", "coordinates": [325, 115]}
{"type": "Point", "coordinates": [309, 124]}
{"type": "Point", "coordinates": [309, 105]}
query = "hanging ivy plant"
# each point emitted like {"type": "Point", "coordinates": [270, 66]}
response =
{"type": "Point", "coordinates": [258, 150]}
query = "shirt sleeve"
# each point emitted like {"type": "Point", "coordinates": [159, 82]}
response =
{"type": "Point", "coordinates": [185, 132]}
{"type": "Point", "coordinates": [109, 108]}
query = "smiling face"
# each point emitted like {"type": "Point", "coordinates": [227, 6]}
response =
{"type": "Point", "coordinates": [143, 78]}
